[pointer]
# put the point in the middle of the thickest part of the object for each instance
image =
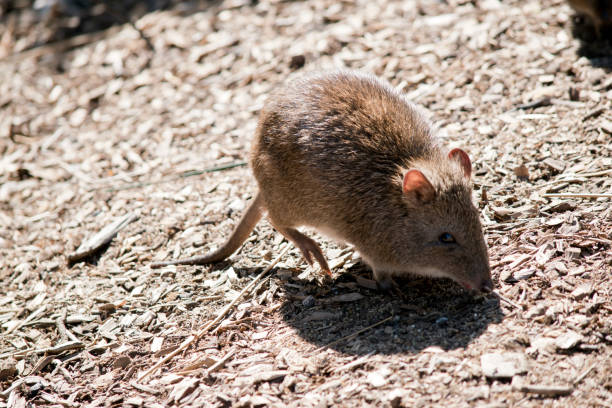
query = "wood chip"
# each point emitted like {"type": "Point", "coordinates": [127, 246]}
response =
{"type": "Point", "coordinates": [542, 389]}
{"type": "Point", "coordinates": [185, 387]}
{"type": "Point", "coordinates": [568, 340]}
{"type": "Point", "coordinates": [582, 291]}
{"type": "Point", "coordinates": [503, 365]}
{"type": "Point", "coordinates": [8, 368]}
{"type": "Point", "coordinates": [557, 165]}
{"type": "Point", "coordinates": [102, 238]}
{"type": "Point", "coordinates": [156, 116]}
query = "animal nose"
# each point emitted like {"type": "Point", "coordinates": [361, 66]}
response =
{"type": "Point", "coordinates": [486, 286]}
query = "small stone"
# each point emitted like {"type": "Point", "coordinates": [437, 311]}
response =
{"type": "Point", "coordinates": [503, 365]}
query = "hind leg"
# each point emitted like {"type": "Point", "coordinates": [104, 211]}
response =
{"type": "Point", "coordinates": [309, 248]}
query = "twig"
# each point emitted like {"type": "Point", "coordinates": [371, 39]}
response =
{"type": "Point", "coordinates": [357, 333]}
{"type": "Point", "coordinates": [70, 345]}
{"type": "Point", "coordinates": [102, 238]}
{"type": "Point", "coordinates": [593, 114]}
{"type": "Point", "coordinates": [535, 104]}
{"type": "Point", "coordinates": [145, 388]}
{"type": "Point", "coordinates": [577, 195]}
{"type": "Point", "coordinates": [212, 368]}
{"type": "Point", "coordinates": [572, 178]}
{"type": "Point", "coordinates": [62, 46]}
{"type": "Point", "coordinates": [17, 383]}
{"type": "Point", "coordinates": [169, 179]}
{"type": "Point", "coordinates": [595, 173]}
{"type": "Point", "coordinates": [508, 301]}
{"type": "Point", "coordinates": [547, 390]}
{"type": "Point", "coordinates": [355, 363]}
{"type": "Point", "coordinates": [221, 362]}
{"type": "Point", "coordinates": [191, 339]}
{"type": "Point", "coordinates": [205, 298]}
{"type": "Point", "coordinates": [29, 318]}
{"type": "Point", "coordinates": [582, 376]}
{"type": "Point", "coordinates": [56, 400]}
{"type": "Point", "coordinates": [586, 238]}
{"type": "Point", "coordinates": [42, 363]}
{"type": "Point", "coordinates": [65, 334]}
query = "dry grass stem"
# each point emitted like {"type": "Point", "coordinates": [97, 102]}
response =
{"type": "Point", "coordinates": [191, 339]}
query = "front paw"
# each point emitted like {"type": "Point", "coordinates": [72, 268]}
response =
{"type": "Point", "coordinates": [385, 282]}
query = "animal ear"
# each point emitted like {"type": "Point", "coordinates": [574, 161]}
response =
{"type": "Point", "coordinates": [463, 159]}
{"type": "Point", "coordinates": [416, 183]}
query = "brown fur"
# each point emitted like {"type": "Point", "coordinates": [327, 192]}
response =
{"type": "Point", "coordinates": [330, 152]}
{"type": "Point", "coordinates": [599, 13]}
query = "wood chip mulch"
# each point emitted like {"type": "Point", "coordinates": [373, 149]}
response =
{"type": "Point", "coordinates": [124, 142]}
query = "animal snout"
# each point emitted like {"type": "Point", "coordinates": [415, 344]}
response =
{"type": "Point", "coordinates": [483, 285]}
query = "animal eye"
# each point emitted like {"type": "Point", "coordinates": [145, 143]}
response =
{"type": "Point", "coordinates": [447, 238]}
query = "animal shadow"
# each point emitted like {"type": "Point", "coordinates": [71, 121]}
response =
{"type": "Point", "coordinates": [419, 314]}
{"type": "Point", "coordinates": [596, 47]}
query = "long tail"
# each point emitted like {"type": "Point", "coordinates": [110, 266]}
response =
{"type": "Point", "coordinates": [248, 221]}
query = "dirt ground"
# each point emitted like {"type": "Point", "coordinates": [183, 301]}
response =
{"type": "Point", "coordinates": [102, 120]}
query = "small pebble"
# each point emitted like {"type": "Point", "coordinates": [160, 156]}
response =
{"type": "Point", "coordinates": [308, 301]}
{"type": "Point", "coordinates": [442, 321]}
